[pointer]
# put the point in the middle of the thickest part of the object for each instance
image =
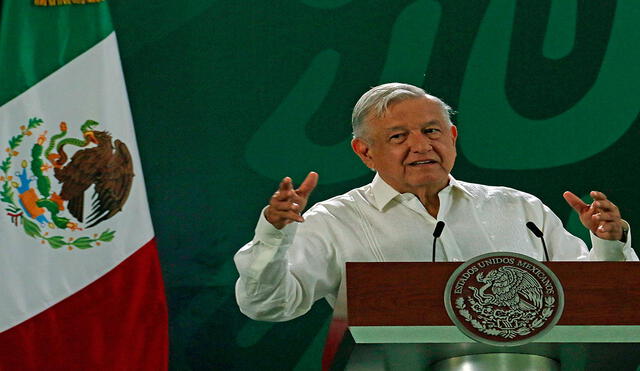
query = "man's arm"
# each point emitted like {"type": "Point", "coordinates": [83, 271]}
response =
{"type": "Point", "coordinates": [279, 279]}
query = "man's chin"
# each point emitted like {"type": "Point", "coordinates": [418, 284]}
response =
{"type": "Point", "coordinates": [430, 182]}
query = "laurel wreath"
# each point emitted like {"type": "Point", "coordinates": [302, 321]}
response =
{"type": "Point", "coordinates": [546, 312]}
{"type": "Point", "coordinates": [30, 228]}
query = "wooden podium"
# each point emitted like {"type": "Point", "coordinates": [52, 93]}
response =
{"type": "Point", "coordinates": [397, 319]}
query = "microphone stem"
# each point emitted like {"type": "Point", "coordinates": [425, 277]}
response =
{"type": "Point", "coordinates": [433, 253]}
{"type": "Point", "coordinates": [544, 246]}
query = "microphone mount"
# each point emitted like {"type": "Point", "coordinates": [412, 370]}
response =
{"type": "Point", "coordinates": [538, 233]}
{"type": "Point", "coordinates": [436, 234]}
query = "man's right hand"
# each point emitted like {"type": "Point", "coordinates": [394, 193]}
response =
{"type": "Point", "coordinates": [287, 203]}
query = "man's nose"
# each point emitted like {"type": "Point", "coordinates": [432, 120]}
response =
{"type": "Point", "coordinates": [419, 142]}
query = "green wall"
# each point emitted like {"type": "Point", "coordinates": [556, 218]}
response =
{"type": "Point", "coordinates": [230, 96]}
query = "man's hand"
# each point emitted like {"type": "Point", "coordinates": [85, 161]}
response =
{"type": "Point", "coordinates": [287, 203]}
{"type": "Point", "coordinates": [601, 217]}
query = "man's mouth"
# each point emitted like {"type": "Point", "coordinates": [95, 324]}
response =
{"type": "Point", "coordinates": [425, 162]}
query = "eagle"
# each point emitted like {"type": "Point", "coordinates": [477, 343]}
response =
{"type": "Point", "coordinates": [511, 287]}
{"type": "Point", "coordinates": [108, 166]}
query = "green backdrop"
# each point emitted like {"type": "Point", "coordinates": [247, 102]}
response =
{"type": "Point", "coordinates": [229, 96]}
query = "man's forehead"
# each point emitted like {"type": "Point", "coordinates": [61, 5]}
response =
{"type": "Point", "coordinates": [417, 110]}
{"type": "Point", "coordinates": [404, 126]}
{"type": "Point", "coordinates": [426, 105]}
{"type": "Point", "coordinates": [426, 111]}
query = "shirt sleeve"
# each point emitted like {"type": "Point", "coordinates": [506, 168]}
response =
{"type": "Point", "coordinates": [562, 245]}
{"type": "Point", "coordinates": [283, 272]}
{"type": "Point", "coordinates": [605, 250]}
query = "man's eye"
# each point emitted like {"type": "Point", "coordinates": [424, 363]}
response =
{"type": "Point", "coordinates": [432, 132]}
{"type": "Point", "coordinates": [396, 137]}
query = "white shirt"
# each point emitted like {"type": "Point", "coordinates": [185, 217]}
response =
{"type": "Point", "coordinates": [283, 272]}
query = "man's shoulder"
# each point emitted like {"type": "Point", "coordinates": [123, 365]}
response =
{"type": "Point", "coordinates": [344, 202]}
{"type": "Point", "coordinates": [497, 193]}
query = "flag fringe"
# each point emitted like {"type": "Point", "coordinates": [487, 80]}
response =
{"type": "Point", "coordinates": [63, 2]}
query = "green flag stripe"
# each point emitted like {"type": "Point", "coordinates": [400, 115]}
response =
{"type": "Point", "coordinates": [36, 41]}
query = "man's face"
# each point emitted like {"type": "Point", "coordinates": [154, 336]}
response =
{"type": "Point", "coordinates": [411, 146]}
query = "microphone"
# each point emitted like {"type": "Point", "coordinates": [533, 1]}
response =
{"type": "Point", "coordinates": [436, 234]}
{"type": "Point", "coordinates": [534, 228]}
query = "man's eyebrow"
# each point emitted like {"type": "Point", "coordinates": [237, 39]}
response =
{"type": "Point", "coordinates": [431, 123]}
{"type": "Point", "coordinates": [425, 124]}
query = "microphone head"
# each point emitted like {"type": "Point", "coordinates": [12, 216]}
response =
{"type": "Point", "coordinates": [438, 230]}
{"type": "Point", "coordinates": [534, 228]}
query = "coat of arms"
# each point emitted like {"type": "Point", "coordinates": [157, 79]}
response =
{"type": "Point", "coordinates": [504, 299]}
{"type": "Point", "coordinates": [44, 183]}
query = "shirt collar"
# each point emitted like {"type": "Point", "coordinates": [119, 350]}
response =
{"type": "Point", "coordinates": [455, 184]}
{"type": "Point", "coordinates": [383, 193]}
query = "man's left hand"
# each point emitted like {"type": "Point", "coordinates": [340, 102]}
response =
{"type": "Point", "coordinates": [601, 217]}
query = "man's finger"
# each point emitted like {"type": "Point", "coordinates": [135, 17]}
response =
{"type": "Point", "coordinates": [574, 201]}
{"type": "Point", "coordinates": [284, 190]}
{"type": "Point", "coordinates": [282, 195]}
{"type": "Point", "coordinates": [309, 184]}
{"type": "Point", "coordinates": [286, 206]}
{"type": "Point", "coordinates": [610, 228]}
{"type": "Point", "coordinates": [299, 199]}
{"type": "Point", "coordinates": [606, 217]}
{"type": "Point", "coordinates": [605, 205]}
{"type": "Point", "coordinates": [292, 215]}
{"type": "Point", "coordinates": [288, 215]}
{"type": "Point", "coordinates": [596, 195]}
{"type": "Point", "coordinates": [285, 184]}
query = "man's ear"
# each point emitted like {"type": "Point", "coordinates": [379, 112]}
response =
{"type": "Point", "coordinates": [361, 148]}
{"type": "Point", "coordinates": [454, 133]}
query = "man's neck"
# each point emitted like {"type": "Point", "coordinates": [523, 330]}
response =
{"type": "Point", "coordinates": [429, 198]}
{"type": "Point", "coordinates": [427, 194]}
{"type": "Point", "coordinates": [431, 203]}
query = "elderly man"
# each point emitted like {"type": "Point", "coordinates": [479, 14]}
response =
{"type": "Point", "coordinates": [407, 137]}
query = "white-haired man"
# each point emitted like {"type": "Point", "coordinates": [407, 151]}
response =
{"type": "Point", "coordinates": [407, 137]}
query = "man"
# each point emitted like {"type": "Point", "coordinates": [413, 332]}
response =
{"type": "Point", "coordinates": [407, 137]}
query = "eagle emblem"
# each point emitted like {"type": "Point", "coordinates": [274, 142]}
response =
{"type": "Point", "coordinates": [45, 188]}
{"type": "Point", "coordinates": [107, 166]}
{"type": "Point", "coordinates": [504, 299]}
{"type": "Point", "coordinates": [510, 287]}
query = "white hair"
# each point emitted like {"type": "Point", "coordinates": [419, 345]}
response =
{"type": "Point", "coordinates": [376, 101]}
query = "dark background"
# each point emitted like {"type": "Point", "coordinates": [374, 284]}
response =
{"type": "Point", "coordinates": [229, 96]}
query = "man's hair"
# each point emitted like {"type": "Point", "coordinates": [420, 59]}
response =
{"type": "Point", "coordinates": [376, 101]}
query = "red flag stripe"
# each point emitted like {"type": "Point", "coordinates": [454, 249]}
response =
{"type": "Point", "coordinates": [118, 322]}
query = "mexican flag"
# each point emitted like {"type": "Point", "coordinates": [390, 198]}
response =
{"type": "Point", "coordinates": [80, 281]}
